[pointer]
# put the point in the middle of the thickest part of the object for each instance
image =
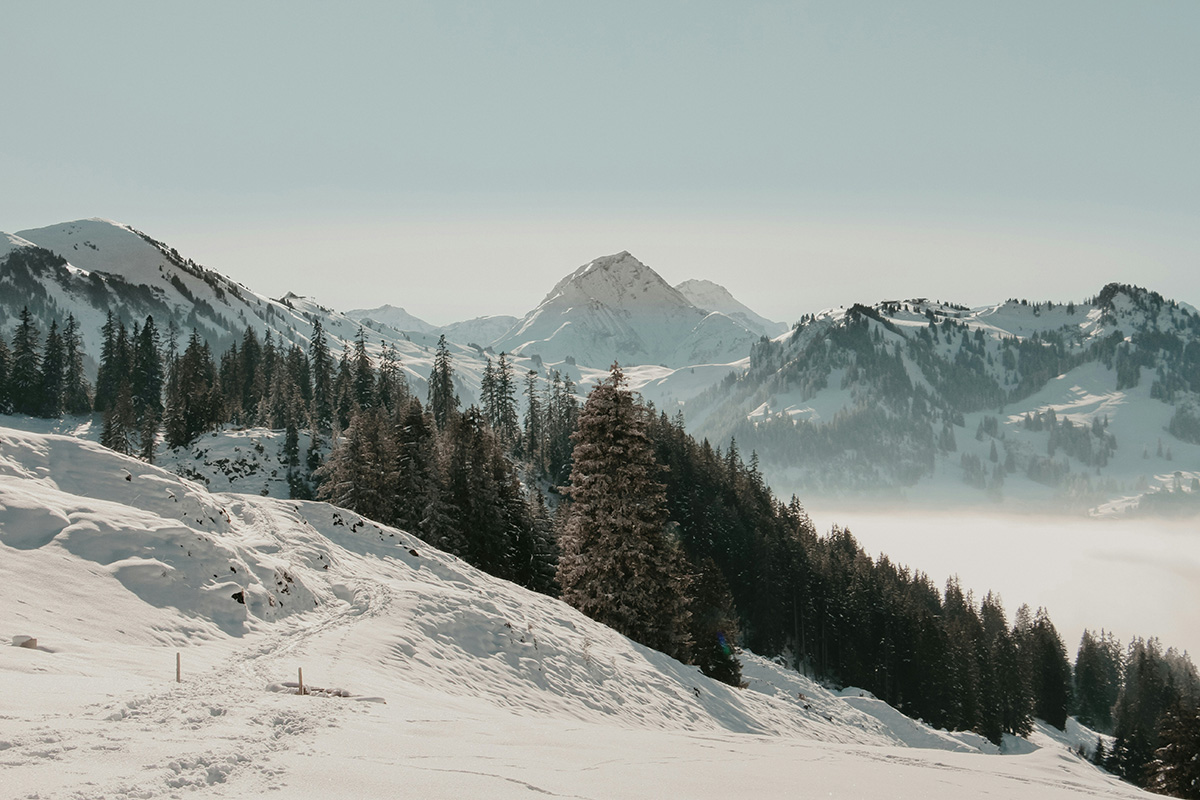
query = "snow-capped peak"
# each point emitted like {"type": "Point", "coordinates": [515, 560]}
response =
{"type": "Point", "coordinates": [615, 308]}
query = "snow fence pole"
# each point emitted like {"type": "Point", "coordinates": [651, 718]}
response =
{"type": "Point", "coordinates": [301, 674]}
{"type": "Point", "coordinates": [178, 667]}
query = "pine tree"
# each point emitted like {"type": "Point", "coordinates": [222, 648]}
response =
{"type": "Point", "coordinates": [617, 565]}
{"type": "Point", "coordinates": [146, 387]}
{"type": "Point", "coordinates": [25, 376]}
{"type": "Point", "coordinates": [112, 365]}
{"type": "Point", "coordinates": [1097, 679]}
{"type": "Point", "coordinates": [506, 425]}
{"type": "Point", "coordinates": [77, 393]}
{"type": "Point", "coordinates": [54, 369]}
{"type": "Point", "coordinates": [321, 362]}
{"type": "Point", "coordinates": [363, 372]}
{"type": "Point", "coordinates": [443, 402]}
{"type": "Point", "coordinates": [1050, 671]}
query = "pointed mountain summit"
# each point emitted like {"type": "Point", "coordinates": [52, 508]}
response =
{"type": "Point", "coordinates": [715, 297]}
{"type": "Point", "coordinates": [615, 308]}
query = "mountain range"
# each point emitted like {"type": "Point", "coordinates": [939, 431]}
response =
{"type": "Point", "coordinates": [1092, 405]}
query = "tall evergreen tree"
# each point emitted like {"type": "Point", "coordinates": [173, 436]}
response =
{"type": "Point", "coordinates": [443, 402]}
{"type": "Point", "coordinates": [322, 366]}
{"type": "Point", "coordinates": [363, 372]}
{"type": "Point", "coordinates": [1097, 679]}
{"type": "Point", "coordinates": [506, 426]}
{"type": "Point", "coordinates": [54, 374]}
{"type": "Point", "coordinates": [618, 565]}
{"type": "Point", "coordinates": [112, 365]}
{"type": "Point", "coordinates": [77, 392]}
{"type": "Point", "coordinates": [25, 377]}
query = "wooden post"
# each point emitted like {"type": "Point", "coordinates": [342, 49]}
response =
{"type": "Point", "coordinates": [301, 671]}
{"type": "Point", "coordinates": [178, 667]}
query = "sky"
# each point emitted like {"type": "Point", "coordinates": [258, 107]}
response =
{"type": "Point", "coordinates": [458, 158]}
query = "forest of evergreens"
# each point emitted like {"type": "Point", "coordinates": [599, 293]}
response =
{"type": "Point", "coordinates": [617, 509]}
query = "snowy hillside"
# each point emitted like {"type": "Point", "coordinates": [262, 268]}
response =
{"type": "Point", "coordinates": [616, 308]}
{"type": "Point", "coordinates": [715, 297]}
{"type": "Point", "coordinates": [413, 663]}
{"type": "Point", "coordinates": [1089, 405]}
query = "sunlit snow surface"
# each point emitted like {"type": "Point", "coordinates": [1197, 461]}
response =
{"type": "Point", "coordinates": [438, 681]}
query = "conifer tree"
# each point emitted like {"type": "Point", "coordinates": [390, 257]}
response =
{"type": "Point", "coordinates": [54, 370]}
{"type": "Point", "coordinates": [443, 402]}
{"type": "Point", "coordinates": [321, 364]}
{"type": "Point", "coordinates": [391, 387]}
{"type": "Point", "coordinates": [112, 365]}
{"type": "Point", "coordinates": [362, 371]}
{"type": "Point", "coordinates": [77, 397]}
{"type": "Point", "coordinates": [617, 565]}
{"type": "Point", "coordinates": [146, 387]}
{"type": "Point", "coordinates": [25, 375]}
{"type": "Point", "coordinates": [1097, 679]}
{"type": "Point", "coordinates": [506, 425]}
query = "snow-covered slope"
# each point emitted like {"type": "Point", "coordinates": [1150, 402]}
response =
{"type": "Point", "coordinates": [715, 297]}
{"type": "Point", "coordinates": [616, 308]}
{"type": "Point", "coordinates": [424, 676]}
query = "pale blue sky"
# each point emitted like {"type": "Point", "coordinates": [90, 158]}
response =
{"type": "Point", "coordinates": [802, 154]}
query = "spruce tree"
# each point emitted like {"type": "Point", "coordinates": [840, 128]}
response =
{"type": "Point", "coordinates": [506, 425]}
{"type": "Point", "coordinates": [321, 364]}
{"type": "Point", "coordinates": [618, 565]}
{"type": "Point", "coordinates": [25, 376]}
{"type": "Point", "coordinates": [54, 369]}
{"type": "Point", "coordinates": [443, 402]}
{"type": "Point", "coordinates": [362, 371]}
{"type": "Point", "coordinates": [77, 392]}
